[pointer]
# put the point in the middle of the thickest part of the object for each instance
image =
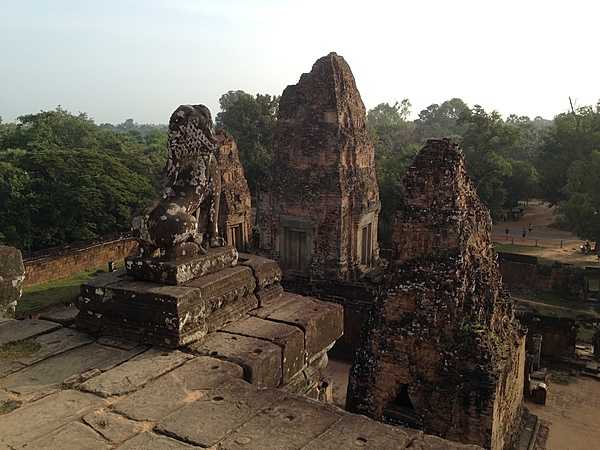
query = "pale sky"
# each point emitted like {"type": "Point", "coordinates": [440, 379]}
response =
{"type": "Point", "coordinates": [140, 59]}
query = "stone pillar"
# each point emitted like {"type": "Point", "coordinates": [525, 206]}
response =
{"type": "Point", "coordinates": [12, 274]}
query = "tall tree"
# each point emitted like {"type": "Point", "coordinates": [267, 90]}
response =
{"type": "Point", "coordinates": [251, 121]}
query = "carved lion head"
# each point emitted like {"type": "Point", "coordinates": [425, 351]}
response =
{"type": "Point", "coordinates": [192, 126]}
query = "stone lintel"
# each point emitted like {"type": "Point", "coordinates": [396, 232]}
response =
{"type": "Point", "coordinates": [181, 270]}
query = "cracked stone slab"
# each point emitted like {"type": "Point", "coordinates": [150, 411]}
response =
{"type": "Point", "coordinates": [151, 441]}
{"type": "Point", "coordinates": [266, 271]}
{"type": "Point", "coordinates": [290, 424]}
{"type": "Point", "coordinates": [18, 330]}
{"type": "Point", "coordinates": [74, 436]}
{"type": "Point", "coordinates": [261, 360]}
{"type": "Point", "coordinates": [135, 373]}
{"type": "Point", "coordinates": [37, 419]}
{"type": "Point", "coordinates": [53, 371]}
{"type": "Point", "coordinates": [49, 344]}
{"type": "Point", "coordinates": [54, 343]}
{"type": "Point", "coordinates": [354, 431]}
{"type": "Point", "coordinates": [113, 427]}
{"type": "Point", "coordinates": [269, 294]}
{"type": "Point", "coordinates": [208, 420]}
{"type": "Point", "coordinates": [178, 387]}
{"type": "Point", "coordinates": [288, 337]}
{"type": "Point", "coordinates": [322, 322]}
{"type": "Point", "coordinates": [64, 315]}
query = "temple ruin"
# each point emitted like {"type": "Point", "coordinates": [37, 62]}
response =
{"type": "Point", "coordinates": [318, 215]}
{"type": "Point", "coordinates": [442, 350]}
{"type": "Point", "coordinates": [200, 342]}
{"type": "Point", "coordinates": [235, 214]}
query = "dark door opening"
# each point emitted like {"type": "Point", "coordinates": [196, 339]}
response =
{"type": "Point", "coordinates": [295, 250]}
{"type": "Point", "coordinates": [237, 237]}
{"type": "Point", "coordinates": [401, 410]}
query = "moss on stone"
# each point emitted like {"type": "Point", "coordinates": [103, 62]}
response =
{"type": "Point", "coordinates": [7, 406]}
{"type": "Point", "coordinates": [18, 349]}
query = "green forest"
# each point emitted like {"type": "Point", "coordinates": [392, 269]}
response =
{"type": "Point", "coordinates": [64, 178]}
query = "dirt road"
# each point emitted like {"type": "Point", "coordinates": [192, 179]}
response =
{"type": "Point", "coordinates": [572, 410]}
{"type": "Point", "coordinates": [552, 243]}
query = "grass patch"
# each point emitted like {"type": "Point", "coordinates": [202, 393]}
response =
{"type": "Point", "coordinates": [18, 349]}
{"type": "Point", "coordinates": [40, 296]}
{"type": "Point", "coordinates": [568, 308]}
{"type": "Point", "coordinates": [519, 249]}
{"type": "Point", "coordinates": [7, 406]}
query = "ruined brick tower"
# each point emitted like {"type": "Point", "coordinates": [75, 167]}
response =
{"type": "Point", "coordinates": [235, 221]}
{"type": "Point", "coordinates": [442, 350]}
{"type": "Point", "coordinates": [319, 214]}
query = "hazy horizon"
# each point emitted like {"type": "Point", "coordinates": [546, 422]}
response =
{"type": "Point", "coordinates": [140, 59]}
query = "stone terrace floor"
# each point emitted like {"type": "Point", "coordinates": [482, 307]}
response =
{"type": "Point", "coordinates": [61, 389]}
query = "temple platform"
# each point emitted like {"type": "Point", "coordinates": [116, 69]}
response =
{"type": "Point", "coordinates": [61, 388]}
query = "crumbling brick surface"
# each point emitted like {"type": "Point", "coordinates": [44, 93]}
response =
{"type": "Point", "coordinates": [442, 349]}
{"type": "Point", "coordinates": [323, 181]}
{"type": "Point", "coordinates": [236, 208]}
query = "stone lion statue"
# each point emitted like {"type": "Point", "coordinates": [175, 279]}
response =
{"type": "Point", "coordinates": [189, 206]}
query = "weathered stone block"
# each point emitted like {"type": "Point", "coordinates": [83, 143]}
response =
{"type": "Point", "coordinates": [208, 420]}
{"type": "Point", "coordinates": [261, 360]}
{"type": "Point", "coordinates": [18, 330]}
{"type": "Point", "coordinates": [357, 431]}
{"type": "Point", "coordinates": [321, 322]}
{"type": "Point", "coordinates": [111, 426]}
{"type": "Point", "coordinates": [178, 387]}
{"type": "Point", "coordinates": [266, 271]}
{"type": "Point", "coordinates": [291, 423]}
{"type": "Point", "coordinates": [63, 314]}
{"type": "Point", "coordinates": [52, 343]}
{"type": "Point", "coordinates": [151, 441]}
{"type": "Point", "coordinates": [39, 418]}
{"type": "Point", "coordinates": [74, 436]}
{"type": "Point", "coordinates": [289, 338]}
{"type": "Point", "coordinates": [310, 379]}
{"type": "Point", "coordinates": [53, 371]}
{"type": "Point", "coordinates": [133, 374]}
{"type": "Point", "coordinates": [165, 315]}
{"type": "Point", "coordinates": [12, 274]}
{"type": "Point", "coordinates": [183, 269]}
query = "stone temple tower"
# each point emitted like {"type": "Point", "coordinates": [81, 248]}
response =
{"type": "Point", "coordinates": [441, 349]}
{"type": "Point", "coordinates": [318, 215]}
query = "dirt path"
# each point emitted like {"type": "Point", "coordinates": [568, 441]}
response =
{"type": "Point", "coordinates": [572, 410]}
{"type": "Point", "coordinates": [543, 240]}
